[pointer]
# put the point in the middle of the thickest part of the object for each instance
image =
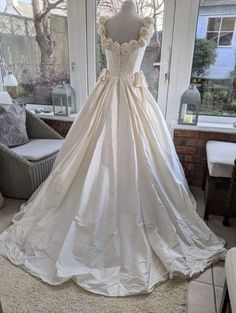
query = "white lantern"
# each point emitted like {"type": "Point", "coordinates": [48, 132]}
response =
{"type": "Point", "coordinates": [63, 99]}
{"type": "Point", "coordinates": [189, 106]}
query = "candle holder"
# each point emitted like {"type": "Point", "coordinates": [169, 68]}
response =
{"type": "Point", "coordinates": [189, 106]}
{"type": "Point", "coordinates": [63, 99]}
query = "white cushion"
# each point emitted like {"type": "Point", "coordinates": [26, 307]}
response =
{"type": "Point", "coordinates": [230, 273]}
{"type": "Point", "coordinates": [5, 97]}
{"type": "Point", "coordinates": [220, 158]}
{"type": "Point", "coordinates": [38, 149]}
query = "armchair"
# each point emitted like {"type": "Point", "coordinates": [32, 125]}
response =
{"type": "Point", "coordinates": [24, 168]}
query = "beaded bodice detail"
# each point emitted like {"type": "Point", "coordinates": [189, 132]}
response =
{"type": "Point", "coordinates": [125, 59]}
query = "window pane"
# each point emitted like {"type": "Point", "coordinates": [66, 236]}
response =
{"type": "Point", "coordinates": [213, 23]}
{"type": "Point", "coordinates": [214, 68]}
{"type": "Point", "coordinates": [212, 36]}
{"type": "Point", "coordinates": [150, 65]}
{"type": "Point", "coordinates": [225, 39]}
{"type": "Point", "coordinates": [228, 24]}
{"type": "Point", "coordinates": [39, 65]}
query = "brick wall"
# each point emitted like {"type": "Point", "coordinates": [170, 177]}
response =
{"type": "Point", "coordinates": [191, 148]}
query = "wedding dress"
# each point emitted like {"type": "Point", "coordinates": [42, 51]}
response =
{"type": "Point", "coordinates": [116, 214]}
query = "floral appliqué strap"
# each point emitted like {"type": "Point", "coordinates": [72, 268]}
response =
{"type": "Point", "coordinates": [127, 47]}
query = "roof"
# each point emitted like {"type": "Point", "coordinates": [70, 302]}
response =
{"type": "Point", "coordinates": [23, 9]}
{"type": "Point", "coordinates": [204, 3]}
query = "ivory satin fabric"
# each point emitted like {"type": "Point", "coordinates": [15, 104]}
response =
{"type": "Point", "coordinates": [116, 214]}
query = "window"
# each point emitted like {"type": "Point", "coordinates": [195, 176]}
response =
{"type": "Point", "coordinates": [39, 59]}
{"type": "Point", "coordinates": [221, 30]}
{"type": "Point", "coordinates": [214, 68]}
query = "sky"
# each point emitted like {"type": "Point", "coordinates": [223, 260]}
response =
{"type": "Point", "coordinates": [3, 3]}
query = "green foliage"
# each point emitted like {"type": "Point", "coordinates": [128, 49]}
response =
{"type": "Point", "coordinates": [207, 95]}
{"type": "Point", "coordinates": [204, 55]}
{"type": "Point", "coordinates": [218, 102]}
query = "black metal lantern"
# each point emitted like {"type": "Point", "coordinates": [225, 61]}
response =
{"type": "Point", "coordinates": [189, 106]}
{"type": "Point", "coordinates": [63, 98]}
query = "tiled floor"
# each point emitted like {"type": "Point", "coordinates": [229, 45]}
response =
{"type": "Point", "coordinates": [204, 292]}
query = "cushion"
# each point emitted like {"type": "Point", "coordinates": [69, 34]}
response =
{"type": "Point", "coordinates": [230, 273]}
{"type": "Point", "coordinates": [38, 149]}
{"type": "Point", "coordinates": [220, 158]}
{"type": "Point", "coordinates": [12, 125]}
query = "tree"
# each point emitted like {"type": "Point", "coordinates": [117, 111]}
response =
{"type": "Point", "coordinates": [204, 55]}
{"type": "Point", "coordinates": [41, 14]}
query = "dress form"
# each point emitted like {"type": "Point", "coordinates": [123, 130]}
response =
{"type": "Point", "coordinates": [125, 25]}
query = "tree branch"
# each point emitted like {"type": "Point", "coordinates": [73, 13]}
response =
{"type": "Point", "coordinates": [50, 6]}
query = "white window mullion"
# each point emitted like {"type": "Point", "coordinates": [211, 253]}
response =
{"type": "Point", "coordinates": [166, 51]}
{"type": "Point", "coordinates": [182, 54]}
{"type": "Point", "coordinates": [78, 49]}
{"type": "Point", "coordinates": [91, 44]}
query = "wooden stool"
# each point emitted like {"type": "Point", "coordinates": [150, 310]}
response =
{"type": "Point", "coordinates": [220, 162]}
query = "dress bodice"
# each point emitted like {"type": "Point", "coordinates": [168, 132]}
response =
{"type": "Point", "coordinates": [125, 59]}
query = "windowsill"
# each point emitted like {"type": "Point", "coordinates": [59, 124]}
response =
{"type": "Point", "coordinates": [51, 115]}
{"type": "Point", "coordinates": [207, 126]}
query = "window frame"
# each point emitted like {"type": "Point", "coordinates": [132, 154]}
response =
{"type": "Point", "coordinates": [76, 13]}
{"type": "Point", "coordinates": [219, 118]}
{"type": "Point", "coordinates": [219, 31]}
{"type": "Point", "coordinates": [185, 26]}
{"type": "Point", "coordinates": [77, 33]}
{"type": "Point", "coordinates": [82, 48]}
{"type": "Point", "coordinates": [181, 53]}
{"type": "Point", "coordinates": [82, 34]}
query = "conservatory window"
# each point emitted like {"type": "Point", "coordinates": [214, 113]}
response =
{"type": "Point", "coordinates": [39, 59]}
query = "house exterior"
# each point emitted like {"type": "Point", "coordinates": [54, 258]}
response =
{"type": "Point", "coordinates": [216, 21]}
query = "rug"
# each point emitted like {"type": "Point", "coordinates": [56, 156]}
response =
{"type": "Point", "coordinates": [20, 292]}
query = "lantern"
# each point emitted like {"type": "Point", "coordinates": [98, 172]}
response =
{"type": "Point", "coordinates": [189, 106]}
{"type": "Point", "coordinates": [63, 99]}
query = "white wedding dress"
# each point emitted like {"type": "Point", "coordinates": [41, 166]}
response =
{"type": "Point", "coordinates": [116, 214]}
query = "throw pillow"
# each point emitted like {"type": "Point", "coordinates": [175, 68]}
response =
{"type": "Point", "coordinates": [12, 125]}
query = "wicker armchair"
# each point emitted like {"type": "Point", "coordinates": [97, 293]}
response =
{"type": "Point", "coordinates": [20, 177]}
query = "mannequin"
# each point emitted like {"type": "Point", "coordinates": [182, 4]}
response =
{"type": "Point", "coordinates": [125, 25]}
